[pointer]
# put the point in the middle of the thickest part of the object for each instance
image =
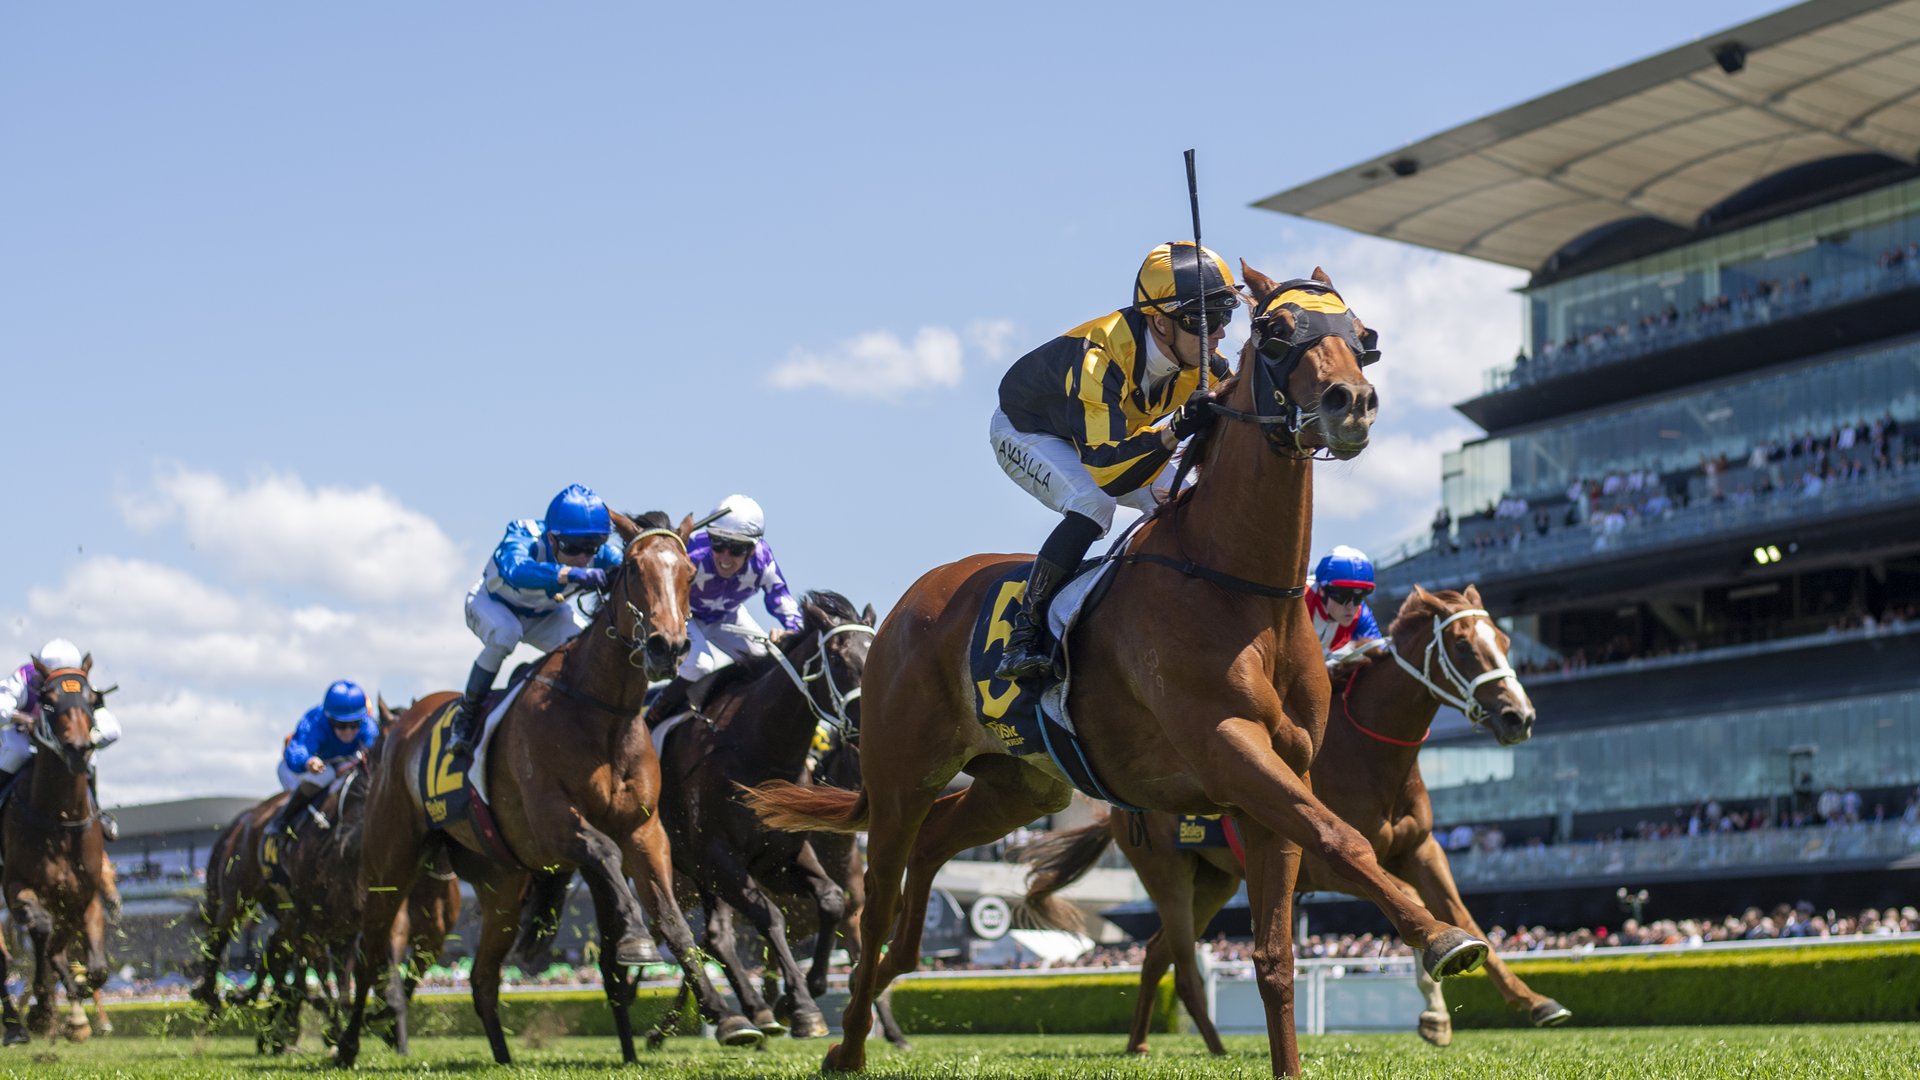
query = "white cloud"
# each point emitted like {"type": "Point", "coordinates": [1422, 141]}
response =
{"type": "Point", "coordinates": [878, 364]}
{"type": "Point", "coordinates": [992, 338]}
{"type": "Point", "coordinates": [358, 541]}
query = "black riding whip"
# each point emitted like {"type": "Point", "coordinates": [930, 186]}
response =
{"type": "Point", "coordinates": [1200, 276]}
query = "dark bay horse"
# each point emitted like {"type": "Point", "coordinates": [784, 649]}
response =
{"type": "Point", "coordinates": [56, 879]}
{"type": "Point", "coordinates": [574, 785]}
{"type": "Point", "coordinates": [324, 919]}
{"type": "Point", "coordinates": [1367, 772]}
{"type": "Point", "coordinates": [759, 726]}
{"type": "Point", "coordinates": [238, 894]}
{"type": "Point", "coordinates": [1198, 684]}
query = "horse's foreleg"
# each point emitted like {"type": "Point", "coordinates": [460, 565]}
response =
{"type": "Point", "coordinates": [1241, 770]}
{"type": "Point", "coordinates": [499, 924]}
{"type": "Point", "coordinates": [723, 943]}
{"type": "Point", "coordinates": [389, 866]}
{"type": "Point", "coordinates": [1273, 866]}
{"type": "Point", "coordinates": [830, 907]}
{"type": "Point", "coordinates": [1212, 888]}
{"type": "Point", "coordinates": [29, 912]}
{"type": "Point", "coordinates": [648, 860]}
{"type": "Point", "coordinates": [15, 1033]}
{"type": "Point", "coordinates": [746, 895]}
{"type": "Point", "coordinates": [1154, 961]}
{"type": "Point", "coordinates": [1426, 869]}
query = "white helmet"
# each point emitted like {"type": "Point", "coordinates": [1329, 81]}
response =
{"type": "Point", "coordinates": [59, 653]}
{"type": "Point", "coordinates": [740, 518]}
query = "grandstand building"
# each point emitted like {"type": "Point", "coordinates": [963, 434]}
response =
{"type": "Point", "coordinates": [1696, 505]}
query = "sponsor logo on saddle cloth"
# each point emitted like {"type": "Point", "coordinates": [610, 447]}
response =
{"type": "Point", "coordinates": [273, 850]}
{"type": "Point", "coordinates": [1201, 831]}
{"type": "Point", "coordinates": [1030, 716]}
{"type": "Point", "coordinates": [451, 787]}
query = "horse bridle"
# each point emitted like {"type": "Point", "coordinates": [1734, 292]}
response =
{"type": "Point", "coordinates": [818, 669]}
{"type": "Point", "coordinates": [1279, 344]}
{"type": "Point", "coordinates": [71, 690]}
{"type": "Point", "coordinates": [636, 645]}
{"type": "Point", "coordinates": [1463, 689]}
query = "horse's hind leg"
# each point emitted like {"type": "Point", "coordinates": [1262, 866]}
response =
{"type": "Point", "coordinates": [648, 860]}
{"type": "Point", "coordinates": [722, 942]}
{"type": "Point", "coordinates": [15, 1033]}
{"type": "Point", "coordinates": [1427, 871]}
{"type": "Point", "coordinates": [745, 895]}
{"type": "Point", "coordinates": [1210, 890]}
{"type": "Point", "coordinates": [389, 864]}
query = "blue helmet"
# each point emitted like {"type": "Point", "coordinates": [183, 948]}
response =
{"type": "Point", "coordinates": [1344, 567]}
{"type": "Point", "coordinates": [577, 511]}
{"type": "Point", "coordinates": [346, 703]}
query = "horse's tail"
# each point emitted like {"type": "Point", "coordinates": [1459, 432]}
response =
{"type": "Point", "coordinates": [793, 807]}
{"type": "Point", "coordinates": [1056, 861]}
{"type": "Point", "coordinates": [539, 921]}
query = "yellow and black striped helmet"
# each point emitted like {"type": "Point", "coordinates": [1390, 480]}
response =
{"type": "Point", "coordinates": [1174, 283]}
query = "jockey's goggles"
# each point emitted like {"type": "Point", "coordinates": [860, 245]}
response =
{"type": "Point", "coordinates": [737, 548]}
{"type": "Point", "coordinates": [1219, 309]}
{"type": "Point", "coordinates": [1344, 594]}
{"type": "Point", "coordinates": [579, 545]}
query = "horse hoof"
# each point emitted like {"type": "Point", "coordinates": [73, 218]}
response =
{"type": "Point", "coordinates": [737, 1030]}
{"type": "Point", "coordinates": [15, 1036]}
{"type": "Point", "coordinates": [1140, 1051]}
{"type": "Point", "coordinates": [840, 1060]}
{"type": "Point", "coordinates": [1436, 1028]}
{"type": "Point", "coordinates": [809, 1024]}
{"type": "Point", "coordinates": [769, 1023]}
{"type": "Point", "coordinates": [634, 951]}
{"type": "Point", "coordinates": [1550, 1013]}
{"type": "Point", "coordinates": [1453, 952]}
{"type": "Point", "coordinates": [79, 1033]}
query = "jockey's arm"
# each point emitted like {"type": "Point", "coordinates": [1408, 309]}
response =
{"type": "Point", "coordinates": [299, 748]}
{"type": "Point", "coordinates": [106, 728]}
{"type": "Point", "coordinates": [15, 693]}
{"type": "Point", "coordinates": [518, 566]}
{"type": "Point", "coordinates": [779, 599]}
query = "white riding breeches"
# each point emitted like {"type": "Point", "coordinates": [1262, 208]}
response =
{"type": "Point", "coordinates": [290, 779]}
{"type": "Point", "coordinates": [16, 747]}
{"type": "Point", "coordinates": [714, 645]}
{"type": "Point", "coordinates": [1048, 468]}
{"type": "Point", "coordinates": [500, 628]}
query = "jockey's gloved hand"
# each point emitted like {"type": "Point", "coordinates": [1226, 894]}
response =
{"type": "Point", "coordinates": [590, 576]}
{"type": "Point", "coordinates": [1193, 417]}
{"type": "Point", "coordinates": [21, 720]}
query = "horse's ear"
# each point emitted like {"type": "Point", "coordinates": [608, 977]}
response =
{"type": "Point", "coordinates": [1419, 594]}
{"type": "Point", "coordinates": [1473, 596]}
{"type": "Point", "coordinates": [1320, 276]}
{"type": "Point", "coordinates": [686, 529]}
{"type": "Point", "coordinates": [1261, 284]}
{"type": "Point", "coordinates": [624, 525]}
{"type": "Point", "coordinates": [40, 667]}
{"type": "Point", "coordinates": [867, 616]}
{"type": "Point", "coordinates": [386, 714]}
{"type": "Point", "coordinates": [86, 664]}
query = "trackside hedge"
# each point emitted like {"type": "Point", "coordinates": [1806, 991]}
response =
{"type": "Point", "coordinates": [571, 1012]}
{"type": "Point", "coordinates": [1037, 1004]}
{"type": "Point", "coordinates": [1813, 985]}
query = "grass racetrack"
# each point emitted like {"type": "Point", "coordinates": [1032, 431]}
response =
{"type": "Point", "coordinates": [1748, 1053]}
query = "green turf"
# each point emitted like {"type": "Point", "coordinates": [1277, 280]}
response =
{"type": "Point", "coordinates": [1747, 1053]}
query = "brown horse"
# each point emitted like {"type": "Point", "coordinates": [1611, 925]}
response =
{"type": "Point", "coordinates": [574, 785]}
{"type": "Point", "coordinates": [56, 879]}
{"type": "Point", "coordinates": [1198, 682]}
{"type": "Point", "coordinates": [1367, 772]}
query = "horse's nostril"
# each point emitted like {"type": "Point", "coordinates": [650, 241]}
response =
{"type": "Point", "coordinates": [1336, 400]}
{"type": "Point", "coordinates": [1372, 403]}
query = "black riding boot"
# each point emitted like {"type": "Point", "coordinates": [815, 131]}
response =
{"type": "Point", "coordinates": [109, 828]}
{"type": "Point", "coordinates": [297, 802]}
{"type": "Point", "coordinates": [466, 722]}
{"type": "Point", "coordinates": [1027, 655]}
{"type": "Point", "coordinates": [671, 702]}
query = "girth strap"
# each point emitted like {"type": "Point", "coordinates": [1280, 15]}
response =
{"type": "Point", "coordinates": [1215, 577]}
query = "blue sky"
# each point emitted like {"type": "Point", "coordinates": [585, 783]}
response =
{"type": "Point", "coordinates": [300, 304]}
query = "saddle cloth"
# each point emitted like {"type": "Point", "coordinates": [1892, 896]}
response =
{"type": "Point", "coordinates": [1201, 831]}
{"type": "Point", "coordinates": [1029, 716]}
{"type": "Point", "coordinates": [452, 788]}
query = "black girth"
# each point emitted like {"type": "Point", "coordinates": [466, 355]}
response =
{"type": "Point", "coordinates": [1215, 577]}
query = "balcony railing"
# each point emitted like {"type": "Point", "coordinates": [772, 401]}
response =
{"type": "Point", "coordinates": [1437, 568]}
{"type": "Point", "coordinates": [1825, 292]}
{"type": "Point", "coordinates": [1623, 859]}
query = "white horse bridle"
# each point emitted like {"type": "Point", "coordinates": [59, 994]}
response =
{"type": "Point", "coordinates": [818, 668]}
{"type": "Point", "coordinates": [1461, 696]}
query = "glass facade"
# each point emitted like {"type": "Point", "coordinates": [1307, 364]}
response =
{"type": "Point", "coordinates": [1674, 432]}
{"type": "Point", "coordinates": [1867, 742]}
{"type": "Point", "coordinates": [1825, 245]}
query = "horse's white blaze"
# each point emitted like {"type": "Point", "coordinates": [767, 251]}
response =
{"type": "Point", "coordinates": [1511, 683]}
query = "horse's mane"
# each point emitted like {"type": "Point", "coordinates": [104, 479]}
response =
{"type": "Point", "coordinates": [652, 519]}
{"type": "Point", "coordinates": [1428, 604]}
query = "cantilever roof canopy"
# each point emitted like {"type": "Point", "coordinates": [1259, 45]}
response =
{"type": "Point", "coordinates": [1667, 137]}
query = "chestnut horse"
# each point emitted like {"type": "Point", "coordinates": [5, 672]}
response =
{"type": "Point", "coordinates": [759, 726]}
{"type": "Point", "coordinates": [1198, 684]}
{"type": "Point", "coordinates": [574, 784]}
{"type": "Point", "coordinates": [1367, 772]}
{"type": "Point", "coordinates": [56, 879]}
